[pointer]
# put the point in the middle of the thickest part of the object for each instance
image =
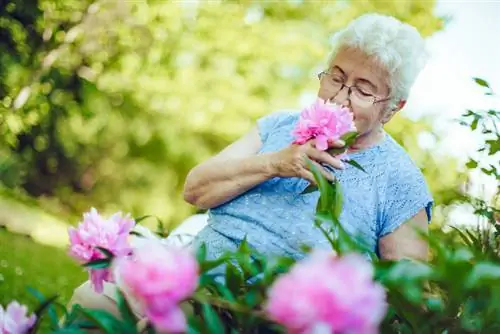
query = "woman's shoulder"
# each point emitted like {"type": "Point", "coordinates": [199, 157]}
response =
{"type": "Point", "coordinates": [276, 122]}
{"type": "Point", "coordinates": [401, 169]}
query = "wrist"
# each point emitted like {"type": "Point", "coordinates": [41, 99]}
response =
{"type": "Point", "coordinates": [271, 166]}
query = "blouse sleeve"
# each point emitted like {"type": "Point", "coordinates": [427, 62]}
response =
{"type": "Point", "coordinates": [270, 122]}
{"type": "Point", "coordinates": [406, 194]}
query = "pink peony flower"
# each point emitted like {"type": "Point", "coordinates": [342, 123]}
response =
{"type": "Point", "coordinates": [158, 278]}
{"type": "Point", "coordinates": [95, 231]}
{"type": "Point", "coordinates": [328, 294]}
{"type": "Point", "coordinates": [323, 122]}
{"type": "Point", "coordinates": [14, 319]}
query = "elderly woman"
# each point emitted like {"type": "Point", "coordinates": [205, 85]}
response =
{"type": "Point", "coordinates": [254, 186]}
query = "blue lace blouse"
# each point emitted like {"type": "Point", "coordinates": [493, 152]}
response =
{"type": "Point", "coordinates": [277, 219]}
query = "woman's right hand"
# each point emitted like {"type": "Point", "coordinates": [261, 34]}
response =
{"type": "Point", "coordinates": [292, 161]}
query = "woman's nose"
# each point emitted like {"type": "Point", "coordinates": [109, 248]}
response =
{"type": "Point", "coordinates": [342, 97]}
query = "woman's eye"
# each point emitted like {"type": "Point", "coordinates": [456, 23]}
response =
{"type": "Point", "coordinates": [364, 92]}
{"type": "Point", "coordinates": [338, 80]}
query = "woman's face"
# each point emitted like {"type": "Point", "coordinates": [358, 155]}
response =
{"type": "Point", "coordinates": [354, 68]}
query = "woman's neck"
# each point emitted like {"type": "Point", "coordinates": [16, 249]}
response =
{"type": "Point", "coordinates": [368, 140]}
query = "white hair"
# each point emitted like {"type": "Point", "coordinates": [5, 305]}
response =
{"type": "Point", "coordinates": [397, 46]}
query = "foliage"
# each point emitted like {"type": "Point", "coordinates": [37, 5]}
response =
{"type": "Point", "coordinates": [92, 92]}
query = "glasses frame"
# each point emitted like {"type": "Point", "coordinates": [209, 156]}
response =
{"type": "Point", "coordinates": [376, 99]}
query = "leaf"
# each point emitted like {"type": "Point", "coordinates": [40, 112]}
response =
{"type": "Point", "coordinates": [464, 237]}
{"type": "Point", "coordinates": [139, 219]}
{"type": "Point", "coordinates": [481, 82]}
{"type": "Point", "coordinates": [310, 189]}
{"type": "Point", "coordinates": [46, 303]}
{"type": "Point", "coordinates": [471, 164]}
{"type": "Point", "coordinates": [494, 145]}
{"type": "Point", "coordinates": [126, 313]}
{"type": "Point", "coordinates": [201, 253]}
{"type": "Point", "coordinates": [337, 210]}
{"type": "Point", "coordinates": [355, 164]}
{"type": "Point", "coordinates": [212, 320]}
{"type": "Point", "coordinates": [349, 137]}
{"type": "Point", "coordinates": [104, 320]}
{"type": "Point", "coordinates": [98, 264]}
{"type": "Point", "coordinates": [211, 264]}
{"type": "Point", "coordinates": [105, 252]}
{"type": "Point", "coordinates": [482, 273]}
{"type": "Point", "coordinates": [234, 278]}
{"type": "Point", "coordinates": [474, 123]}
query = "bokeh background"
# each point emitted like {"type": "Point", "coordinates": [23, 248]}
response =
{"type": "Point", "coordinates": [109, 104]}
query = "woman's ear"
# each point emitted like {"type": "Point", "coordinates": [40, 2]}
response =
{"type": "Point", "coordinates": [391, 112]}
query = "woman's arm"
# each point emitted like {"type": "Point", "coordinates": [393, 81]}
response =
{"type": "Point", "coordinates": [233, 171]}
{"type": "Point", "coordinates": [405, 241]}
{"type": "Point", "coordinates": [239, 168]}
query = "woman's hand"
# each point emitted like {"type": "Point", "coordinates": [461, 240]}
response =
{"type": "Point", "coordinates": [292, 161]}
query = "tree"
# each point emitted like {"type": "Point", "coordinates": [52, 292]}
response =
{"type": "Point", "coordinates": [109, 103]}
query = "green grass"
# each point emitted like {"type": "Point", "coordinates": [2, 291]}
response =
{"type": "Point", "coordinates": [25, 263]}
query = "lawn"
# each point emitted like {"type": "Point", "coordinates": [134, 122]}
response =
{"type": "Point", "coordinates": [23, 263]}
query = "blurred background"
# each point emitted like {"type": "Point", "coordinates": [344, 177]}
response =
{"type": "Point", "coordinates": [109, 104]}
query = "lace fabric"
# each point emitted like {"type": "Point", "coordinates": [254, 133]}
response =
{"type": "Point", "coordinates": [277, 219]}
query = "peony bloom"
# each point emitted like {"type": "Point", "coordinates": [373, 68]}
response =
{"type": "Point", "coordinates": [328, 294]}
{"type": "Point", "coordinates": [14, 319]}
{"type": "Point", "coordinates": [323, 122]}
{"type": "Point", "coordinates": [158, 278]}
{"type": "Point", "coordinates": [96, 231]}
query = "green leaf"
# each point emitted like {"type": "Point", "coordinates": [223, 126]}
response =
{"type": "Point", "coordinates": [126, 313]}
{"type": "Point", "coordinates": [464, 237]}
{"type": "Point", "coordinates": [140, 219]}
{"type": "Point", "coordinates": [208, 265]}
{"type": "Point", "coordinates": [484, 273]}
{"type": "Point", "coordinates": [481, 82]}
{"type": "Point", "coordinates": [355, 164]}
{"type": "Point", "coordinates": [338, 200]}
{"type": "Point", "coordinates": [474, 123]}
{"type": "Point", "coordinates": [98, 264]}
{"type": "Point", "coordinates": [136, 234]}
{"type": "Point", "coordinates": [349, 138]}
{"type": "Point", "coordinates": [234, 278]}
{"type": "Point", "coordinates": [494, 145]}
{"type": "Point", "coordinates": [201, 253]}
{"type": "Point", "coordinates": [212, 320]}
{"type": "Point", "coordinates": [104, 320]}
{"type": "Point", "coordinates": [105, 252]}
{"type": "Point", "coordinates": [310, 189]}
{"type": "Point", "coordinates": [46, 304]}
{"type": "Point", "coordinates": [471, 164]}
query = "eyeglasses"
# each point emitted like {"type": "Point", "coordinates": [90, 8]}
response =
{"type": "Point", "coordinates": [334, 84]}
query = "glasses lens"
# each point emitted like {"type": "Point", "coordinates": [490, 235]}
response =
{"type": "Point", "coordinates": [360, 99]}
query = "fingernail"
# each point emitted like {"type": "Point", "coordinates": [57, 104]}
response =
{"type": "Point", "coordinates": [341, 142]}
{"type": "Point", "coordinates": [342, 165]}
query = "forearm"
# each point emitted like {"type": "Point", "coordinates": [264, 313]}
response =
{"type": "Point", "coordinates": [217, 181]}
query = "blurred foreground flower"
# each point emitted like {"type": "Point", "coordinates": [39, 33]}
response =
{"type": "Point", "coordinates": [323, 122]}
{"type": "Point", "coordinates": [14, 319]}
{"type": "Point", "coordinates": [97, 232]}
{"type": "Point", "coordinates": [328, 294]}
{"type": "Point", "coordinates": [158, 278]}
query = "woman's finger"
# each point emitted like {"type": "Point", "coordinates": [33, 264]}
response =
{"type": "Point", "coordinates": [329, 176]}
{"type": "Point", "coordinates": [324, 157]}
{"type": "Point", "coordinates": [307, 175]}
{"type": "Point", "coordinates": [336, 143]}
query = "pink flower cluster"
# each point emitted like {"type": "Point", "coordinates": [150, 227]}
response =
{"type": "Point", "coordinates": [96, 231]}
{"type": "Point", "coordinates": [323, 122]}
{"type": "Point", "coordinates": [14, 319]}
{"type": "Point", "coordinates": [326, 293]}
{"type": "Point", "coordinates": [159, 277]}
